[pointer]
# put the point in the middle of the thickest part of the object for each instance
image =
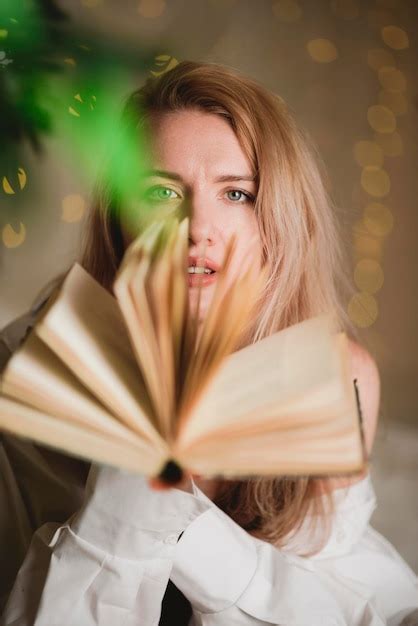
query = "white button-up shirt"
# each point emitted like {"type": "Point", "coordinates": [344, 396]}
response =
{"type": "Point", "coordinates": [109, 563]}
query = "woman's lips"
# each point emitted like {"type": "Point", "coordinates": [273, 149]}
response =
{"type": "Point", "coordinates": [196, 280]}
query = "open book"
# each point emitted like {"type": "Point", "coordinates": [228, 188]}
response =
{"type": "Point", "coordinates": [133, 380]}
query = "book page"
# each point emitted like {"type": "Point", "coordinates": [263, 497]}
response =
{"type": "Point", "coordinates": [264, 380]}
{"type": "Point", "coordinates": [326, 447]}
{"type": "Point", "coordinates": [37, 377]}
{"type": "Point", "coordinates": [24, 421]}
{"type": "Point", "coordinates": [85, 329]}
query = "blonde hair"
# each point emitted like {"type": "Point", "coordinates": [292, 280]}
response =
{"type": "Point", "coordinates": [301, 243]}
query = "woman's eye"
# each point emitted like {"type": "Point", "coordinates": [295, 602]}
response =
{"type": "Point", "coordinates": [160, 194]}
{"type": "Point", "coordinates": [238, 196]}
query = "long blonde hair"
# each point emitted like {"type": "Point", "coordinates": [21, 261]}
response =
{"type": "Point", "coordinates": [301, 243]}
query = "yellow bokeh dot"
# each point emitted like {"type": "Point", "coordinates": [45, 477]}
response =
{"type": "Point", "coordinates": [287, 10]}
{"type": "Point", "coordinates": [11, 238]}
{"type": "Point", "coordinates": [375, 181]}
{"type": "Point", "coordinates": [378, 57]}
{"type": "Point", "coordinates": [394, 100]}
{"type": "Point", "coordinates": [395, 37]}
{"type": "Point", "coordinates": [3, 33]}
{"type": "Point", "coordinates": [368, 275]}
{"type": "Point", "coordinates": [166, 62]}
{"type": "Point", "coordinates": [70, 61]}
{"type": "Point", "coordinates": [368, 153]}
{"type": "Point", "coordinates": [73, 208]}
{"type": "Point", "coordinates": [391, 143]}
{"type": "Point", "coordinates": [391, 79]}
{"type": "Point", "coordinates": [347, 9]}
{"type": "Point", "coordinates": [322, 50]}
{"type": "Point", "coordinates": [366, 244]}
{"type": "Point", "coordinates": [8, 186]}
{"type": "Point", "coordinates": [378, 219]}
{"type": "Point", "coordinates": [363, 309]}
{"type": "Point", "coordinates": [381, 119]}
{"type": "Point", "coordinates": [151, 8]}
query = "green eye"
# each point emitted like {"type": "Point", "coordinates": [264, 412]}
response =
{"type": "Point", "coordinates": [159, 194]}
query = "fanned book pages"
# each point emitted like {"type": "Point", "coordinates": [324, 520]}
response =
{"type": "Point", "coordinates": [133, 380]}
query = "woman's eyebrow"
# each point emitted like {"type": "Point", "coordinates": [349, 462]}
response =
{"type": "Point", "coordinates": [220, 179]}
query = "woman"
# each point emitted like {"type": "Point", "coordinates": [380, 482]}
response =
{"type": "Point", "coordinates": [240, 552]}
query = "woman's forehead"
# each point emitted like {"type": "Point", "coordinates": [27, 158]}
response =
{"type": "Point", "coordinates": [197, 140]}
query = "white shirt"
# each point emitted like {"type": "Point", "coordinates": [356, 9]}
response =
{"type": "Point", "coordinates": [109, 563]}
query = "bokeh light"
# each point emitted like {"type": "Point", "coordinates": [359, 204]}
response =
{"type": "Point", "coordinates": [363, 309]}
{"type": "Point", "coordinates": [366, 245]}
{"type": "Point", "coordinates": [73, 208]}
{"type": "Point", "coordinates": [381, 119]}
{"type": "Point", "coordinates": [375, 181]}
{"type": "Point", "coordinates": [391, 79]}
{"type": "Point", "coordinates": [378, 219]}
{"type": "Point", "coordinates": [391, 143]}
{"type": "Point", "coordinates": [395, 37]}
{"type": "Point", "coordinates": [12, 238]}
{"type": "Point", "coordinates": [368, 275]}
{"type": "Point", "coordinates": [368, 153]}
{"type": "Point", "coordinates": [322, 50]}
{"type": "Point", "coordinates": [378, 57]}
{"type": "Point", "coordinates": [287, 10]}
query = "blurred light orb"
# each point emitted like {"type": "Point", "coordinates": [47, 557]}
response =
{"type": "Point", "coordinates": [375, 181]}
{"type": "Point", "coordinates": [391, 79]}
{"type": "Point", "coordinates": [366, 245]}
{"type": "Point", "coordinates": [391, 143]}
{"type": "Point", "coordinates": [322, 50]}
{"type": "Point", "coordinates": [81, 104]}
{"type": "Point", "coordinates": [381, 119]}
{"type": "Point", "coordinates": [368, 153]}
{"type": "Point", "coordinates": [378, 57]}
{"type": "Point", "coordinates": [3, 33]}
{"type": "Point", "coordinates": [287, 10]}
{"type": "Point", "coordinates": [347, 9]}
{"type": "Point", "coordinates": [395, 37]}
{"type": "Point", "coordinates": [151, 8]}
{"type": "Point", "coordinates": [73, 208]}
{"type": "Point", "coordinates": [368, 275]}
{"type": "Point", "coordinates": [393, 100]}
{"type": "Point", "coordinates": [11, 188]}
{"type": "Point", "coordinates": [369, 246]}
{"type": "Point", "coordinates": [166, 62]}
{"type": "Point", "coordinates": [363, 309]}
{"type": "Point", "coordinates": [378, 219]}
{"type": "Point", "coordinates": [11, 238]}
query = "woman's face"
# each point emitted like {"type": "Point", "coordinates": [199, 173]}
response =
{"type": "Point", "coordinates": [199, 166]}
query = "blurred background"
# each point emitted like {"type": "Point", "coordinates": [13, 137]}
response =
{"type": "Point", "coordinates": [346, 68]}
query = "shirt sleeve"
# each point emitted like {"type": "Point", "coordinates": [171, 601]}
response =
{"type": "Point", "coordinates": [231, 577]}
{"type": "Point", "coordinates": [110, 563]}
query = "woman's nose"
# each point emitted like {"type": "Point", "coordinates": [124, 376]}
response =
{"type": "Point", "coordinates": [202, 228]}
